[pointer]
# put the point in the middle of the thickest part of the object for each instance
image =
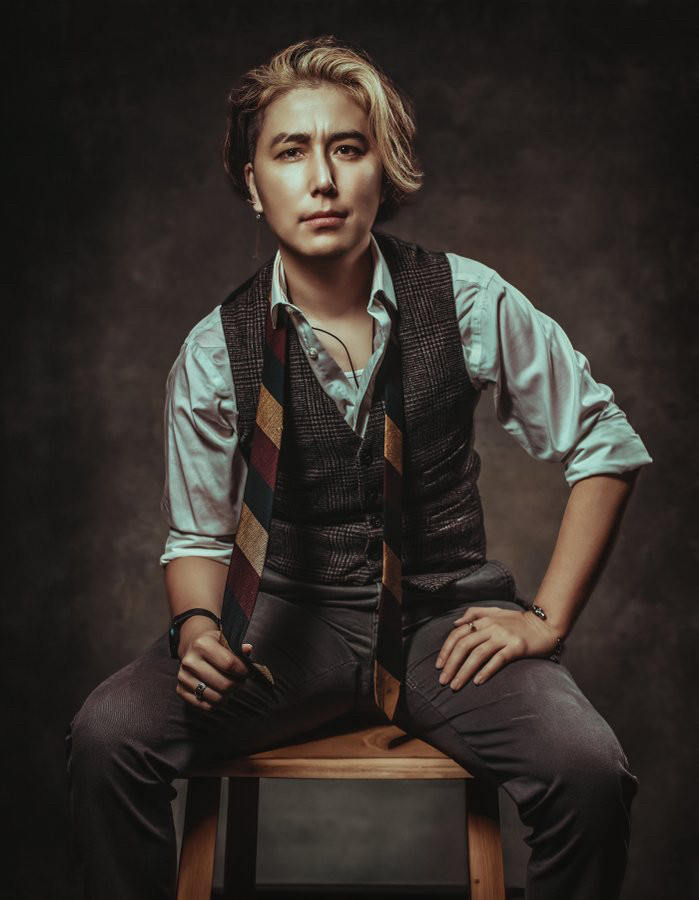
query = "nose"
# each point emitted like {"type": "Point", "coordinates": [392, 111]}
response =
{"type": "Point", "coordinates": [322, 180]}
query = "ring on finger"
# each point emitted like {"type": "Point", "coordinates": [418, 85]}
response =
{"type": "Point", "coordinates": [472, 626]}
{"type": "Point", "coordinates": [199, 690]}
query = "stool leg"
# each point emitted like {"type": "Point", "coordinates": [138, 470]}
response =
{"type": "Point", "coordinates": [485, 867]}
{"type": "Point", "coordinates": [196, 870]}
{"type": "Point", "coordinates": [239, 874]}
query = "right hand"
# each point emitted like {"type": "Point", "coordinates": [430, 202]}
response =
{"type": "Point", "coordinates": [206, 656]}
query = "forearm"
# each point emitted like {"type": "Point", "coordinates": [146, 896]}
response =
{"type": "Point", "coordinates": [194, 581]}
{"type": "Point", "coordinates": [587, 534]}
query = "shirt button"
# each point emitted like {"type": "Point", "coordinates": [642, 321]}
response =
{"type": "Point", "coordinates": [312, 352]}
{"type": "Point", "coordinates": [375, 521]}
{"type": "Point", "coordinates": [365, 457]}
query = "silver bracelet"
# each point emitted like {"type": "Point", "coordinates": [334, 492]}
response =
{"type": "Point", "coordinates": [558, 649]}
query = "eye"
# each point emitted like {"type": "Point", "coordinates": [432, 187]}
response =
{"type": "Point", "coordinates": [354, 151]}
{"type": "Point", "coordinates": [289, 150]}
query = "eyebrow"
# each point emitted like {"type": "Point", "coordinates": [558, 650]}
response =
{"type": "Point", "coordinates": [303, 137]}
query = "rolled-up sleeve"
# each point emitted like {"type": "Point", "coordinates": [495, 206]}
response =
{"type": "Point", "coordinates": [199, 500]}
{"type": "Point", "coordinates": [543, 390]}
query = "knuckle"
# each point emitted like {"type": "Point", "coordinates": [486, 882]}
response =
{"type": "Point", "coordinates": [197, 644]}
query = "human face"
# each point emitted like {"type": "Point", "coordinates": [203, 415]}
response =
{"type": "Point", "coordinates": [314, 153]}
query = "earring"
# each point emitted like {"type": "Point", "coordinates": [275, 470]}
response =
{"type": "Point", "coordinates": [256, 254]}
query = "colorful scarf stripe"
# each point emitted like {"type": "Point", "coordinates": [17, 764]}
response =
{"type": "Point", "coordinates": [388, 664]}
{"type": "Point", "coordinates": [252, 536]}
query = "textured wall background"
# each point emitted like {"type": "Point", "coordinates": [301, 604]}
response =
{"type": "Point", "coordinates": [557, 144]}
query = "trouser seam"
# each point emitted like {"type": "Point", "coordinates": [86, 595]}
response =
{"type": "Point", "coordinates": [318, 677]}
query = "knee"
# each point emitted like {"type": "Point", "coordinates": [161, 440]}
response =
{"type": "Point", "coordinates": [101, 730]}
{"type": "Point", "coordinates": [595, 768]}
{"type": "Point", "coordinates": [588, 774]}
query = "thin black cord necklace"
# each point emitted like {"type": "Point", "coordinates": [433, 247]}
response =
{"type": "Point", "coordinates": [373, 326]}
{"type": "Point", "coordinates": [373, 321]}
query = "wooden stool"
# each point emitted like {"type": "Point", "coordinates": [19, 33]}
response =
{"type": "Point", "coordinates": [332, 751]}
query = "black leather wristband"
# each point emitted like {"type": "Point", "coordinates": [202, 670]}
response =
{"type": "Point", "coordinates": [176, 624]}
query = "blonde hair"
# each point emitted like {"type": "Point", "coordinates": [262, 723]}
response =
{"type": "Point", "coordinates": [312, 62]}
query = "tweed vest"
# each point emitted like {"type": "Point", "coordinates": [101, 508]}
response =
{"type": "Point", "coordinates": [327, 515]}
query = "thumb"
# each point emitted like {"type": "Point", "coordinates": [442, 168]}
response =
{"type": "Point", "coordinates": [247, 647]}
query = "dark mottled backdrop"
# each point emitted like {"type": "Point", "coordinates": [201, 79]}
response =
{"type": "Point", "coordinates": [557, 142]}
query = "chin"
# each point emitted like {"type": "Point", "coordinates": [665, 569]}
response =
{"type": "Point", "coordinates": [327, 251]}
{"type": "Point", "coordinates": [328, 246]}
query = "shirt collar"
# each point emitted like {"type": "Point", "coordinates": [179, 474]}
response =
{"type": "Point", "coordinates": [381, 281]}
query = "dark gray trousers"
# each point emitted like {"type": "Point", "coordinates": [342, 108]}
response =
{"type": "Point", "coordinates": [529, 728]}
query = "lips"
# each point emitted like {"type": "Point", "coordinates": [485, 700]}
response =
{"type": "Point", "coordinates": [325, 214]}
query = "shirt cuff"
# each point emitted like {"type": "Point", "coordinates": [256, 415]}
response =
{"type": "Point", "coordinates": [181, 544]}
{"type": "Point", "coordinates": [611, 447]}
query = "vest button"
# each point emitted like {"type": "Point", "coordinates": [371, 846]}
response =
{"type": "Point", "coordinates": [372, 494]}
{"type": "Point", "coordinates": [375, 521]}
{"type": "Point", "coordinates": [374, 549]}
{"type": "Point", "coordinates": [365, 456]}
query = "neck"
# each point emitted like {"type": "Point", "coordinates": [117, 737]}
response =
{"type": "Point", "coordinates": [327, 288]}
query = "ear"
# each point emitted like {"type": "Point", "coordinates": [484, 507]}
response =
{"type": "Point", "coordinates": [249, 174]}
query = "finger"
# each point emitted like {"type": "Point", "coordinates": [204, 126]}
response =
{"type": "Point", "coordinates": [191, 698]}
{"type": "Point", "coordinates": [198, 669]}
{"type": "Point", "coordinates": [460, 652]}
{"type": "Point", "coordinates": [494, 664]}
{"type": "Point", "coordinates": [224, 660]}
{"type": "Point", "coordinates": [457, 637]}
{"type": "Point", "coordinates": [475, 660]}
{"type": "Point", "coordinates": [189, 683]}
{"type": "Point", "coordinates": [247, 647]}
{"type": "Point", "coordinates": [209, 694]}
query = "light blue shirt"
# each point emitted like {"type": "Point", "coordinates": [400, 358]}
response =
{"type": "Point", "coordinates": [543, 392]}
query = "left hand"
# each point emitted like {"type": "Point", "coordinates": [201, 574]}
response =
{"type": "Point", "coordinates": [497, 637]}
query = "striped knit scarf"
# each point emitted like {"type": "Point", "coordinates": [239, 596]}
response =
{"type": "Point", "coordinates": [252, 536]}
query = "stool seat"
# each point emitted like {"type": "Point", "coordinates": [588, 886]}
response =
{"type": "Point", "coordinates": [339, 749]}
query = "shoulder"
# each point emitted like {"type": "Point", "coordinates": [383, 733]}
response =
{"type": "Point", "coordinates": [207, 334]}
{"type": "Point", "coordinates": [202, 363]}
{"type": "Point", "coordinates": [470, 272]}
{"type": "Point", "coordinates": [465, 271]}
{"type": "Point", "coordinates": [491, 297]}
